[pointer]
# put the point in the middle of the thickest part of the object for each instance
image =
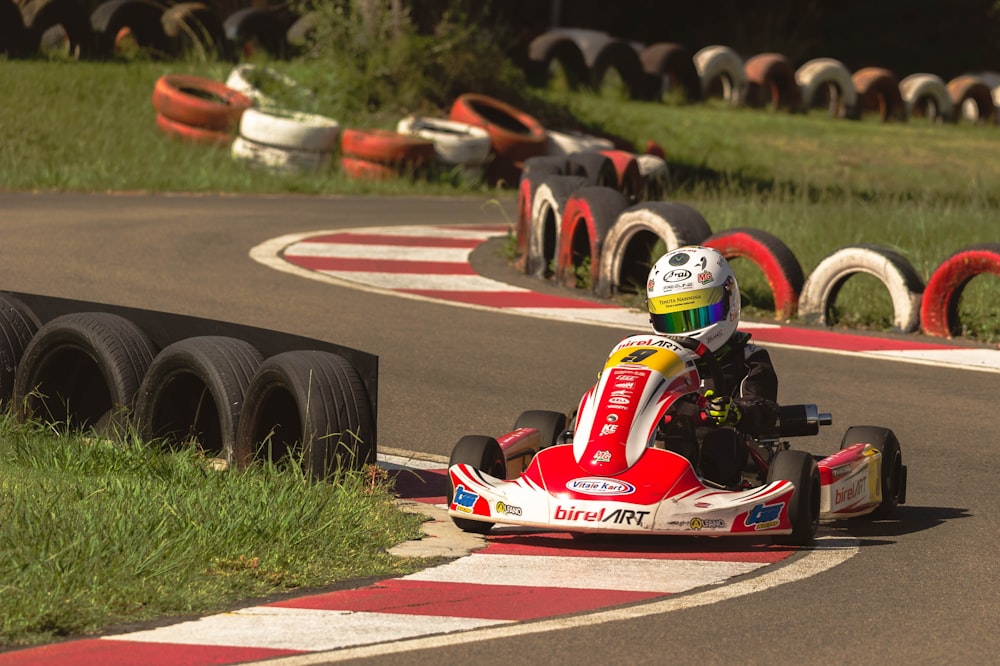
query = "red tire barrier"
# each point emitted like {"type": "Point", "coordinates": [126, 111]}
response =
{"type": "Point", "coordinates": [939, 306]}
{"type": "Point", "coordinates": [589, 214]}
{"type": "Point", "coordinates": [200, 102]}
{"type": "Point", "coordinates": [596, 168]}
{"type": "Point", "coordinates": [546, 210]}
{"type": "Point", "coordinates": [771, 83]}
{"type": "Point", "coordinates": [878, 92]}
{"type": "Point", "coordinates": [628, 176]}
{"type": "Point", "coordinates": [514, 135]}
{"type": "Point", "coordinates": [359, 169]}
{"type": "Point", "coordinates": [387, 147]}
{"type": "Point", "coordinates": [780, 267]}
{"type": "Point", "coordinates": [192, 134]}
{"type": "Point", "coordinates": [972, 98]}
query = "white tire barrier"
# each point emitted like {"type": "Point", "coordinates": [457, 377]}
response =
{"type": "Point", "coordinates": [253, 80]}
{"type": "Point", "coordinates": [455, 143]}
{"type": "Point", "coordinates": [722, 74]}
{"type": "Point", "coordinates": [628, 247]}
{"type": "Point", "coordinates": [939, 306]}
{"type": "Point", "coordinates": [285, 160]}
{"type": "Point", "coordinates": [588, 216]}
{"type": "Point", "coordinates": [827, 80]}
{"type": "Point", "coordinates": [926, 96]}
{"type": "Point", "coordinates": [567, 143]}
{"type": "Point", "coordinates": [819, 293]}
{"type": "Point", "coordinates": [547, 207]}
{"type": "Point", "coordinates": [655, 174]}
{"type": "Point", "coordinates": [290, 130]}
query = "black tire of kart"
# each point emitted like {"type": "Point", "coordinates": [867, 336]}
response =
{"type": "Point", "coordinates": [893, 270]}
{"type": "Point", "coordinates": [483, 453]}
{"type": "Point", "coordinates": [549, 424]}
{"type": "Point", "coordinates": [548, 202]}
{"type": "Point", "coordinates": [599, 170]}
{"type": "Point", "coordinates": [264, 26]}
{"type": "Point", "coordinates": [667, 61]}
{"type": "Point", "coordinates": [550, 48]}
{"type": "Point", "coordinates": [892, 481]}
{"type": "Point", "coordinates": [939, 313]}
{"type": "Point", "coordinates": [820, 73]}
{"type": "Point", "coordinates": [775, 259]}
{"type": "Point", "coordinates": [194, 388]}
{"type": "Point", "coordinates": [800, 468]}
{"type": "Point", "coordinates": [89, 365]}
{"type": "Point", "coordinates": [721, 73]}
{"type": "Point", "coordinates": [142, 17]}
{"type": "Point", "coordinates": [588, 216]}
{"type": "Point", "coordinates": [42, 15]}
{"type": "Point", "coordinates": [17, 326]}
{"type": "Point", "coordinates": [295, 402]}
{"type": "Point", "coordinates": [13, 36]}
{"type": "Point", "coordinates": [676, 224]}
{"type": "Point", "coordinates": [607, 53]}
{"type": "Point", "coordinates": [196, 28]}
{"type": "Point", "coordinates": [926, 96]}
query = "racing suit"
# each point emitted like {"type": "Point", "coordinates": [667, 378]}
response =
{"type": "Point", "coordinates": [719, 453]}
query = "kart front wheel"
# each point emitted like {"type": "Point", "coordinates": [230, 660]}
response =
{"type": "Point", "coordinates": [893, 471]}
{"type": "Point", "coordinates": [803, 511]}
{"type": "Point", "coordinates": [483, 453]}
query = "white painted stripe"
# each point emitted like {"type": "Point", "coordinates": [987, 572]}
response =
{"type": "Point", "coordinates": [459, 255]}
{"type": "Point", "coordinates": [984, 358]}
{"type": "Point", "coordinates": [830, 552]}
{"type": "Point", "coordinates": [433, 282]}
{"type": "Point", "coordinates": [590, 573]}
{"type": "Point", "coordinates": [436, 231]}
{"type": "Point", "coordinates": [281, 628]}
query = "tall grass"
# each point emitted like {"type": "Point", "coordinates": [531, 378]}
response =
{"type": "Point", "coordinates": [94, 532]}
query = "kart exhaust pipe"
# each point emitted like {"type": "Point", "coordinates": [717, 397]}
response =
{"type": "Point", "coordinates": [801, 420]}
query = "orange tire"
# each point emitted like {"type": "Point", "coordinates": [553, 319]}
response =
{"type": "Point", "coordinates": [359, 169]}
{"type": "Point", "coordinates": [190, 133]}
{"type": "Point", "coordinates": [514, 135]}
{"type": "Point", "coordinates": [878, 93]}
{"type": "Point", "coordinates": [386, 147]}
{"type": "Point", "coordinates": [199, 102]}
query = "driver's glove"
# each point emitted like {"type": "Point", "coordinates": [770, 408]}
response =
{"type": "Point", "coordinates": [720, 409]}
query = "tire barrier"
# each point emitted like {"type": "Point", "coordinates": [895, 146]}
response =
{"type": "Point", "coordinates": [550, 50]}
{"type": "Point", "coordinates": [604, 53]}
{"type": "Point", "coordinates": [514, 135]}
{"type": "Point", "coordinates": [771, 83]}
{"type": "Point", "coordinates": [192, 134]}
{"type": "Point", "coordinates": [878, 93]}
{"type": "Point", "coordinates": [629, 245]}
{"type": "Point", "coordinates": [596, 168]}
{"type": "Point", "coordinates": [290, 130]}
{"type": "Point", "coordinates": [939, 315]}
{"type": "Point", "coordinates": [57, 25]}
{"type": "Point", "coordinates": [277, 159]}
{"type": "Point", "coordinates": [628, 178]}
{"type": "Point", "coordinates": [973, 99]}
{"type": "Point", "coordinates": [827, 83]}
{"type": "Point", "coordinates": [251, 80]}
{"type": "Point", "coordinates": [195, 28]}
{"type": "Point", "coordinates": [546, 211]}
{"type": "Point", "coordinates": [561, 142]}
{"type": "Point", "coordinates": [722, 74]}
{"type": "Point", "coordinates": [588, 215]}
{"type": "Point", "coordinates": [671, 67]}
{"type": "Point", "coordinates": [359, 169]}
{"type": "Point", "coordinates": [235, 391]}
{"type": "Point", "coordinates": [380, 153]}
{"type": "Point", "coordinates": [926, 96]}
{"type": "Point", "coordinates": [12, 33]}
{"type": "Point", "coordinates": [534, 172]}
{"type": "Point", "coordinates": [655, 175]}
{"type": "Point", "coordinates": [198, 103]}
{"type": "Point", "coordinates": [256, 29]}
{"type": "Point", "coordinates": [457, 145]}
{"type": "Point", "coordinates": [780, 267]}
{"type": "Point", "coordinates": [140, 19]}
{"type": "Point", "coordinates": [819, 293]}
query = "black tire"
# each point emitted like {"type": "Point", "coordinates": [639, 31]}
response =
{"type": "Point", "coordinates": [671, 65]}
{"type": "Point", "coordinates": [17, 326]}
{"type": "Point", "coordinates": [893, 472]}
{"type": "Point", "coordinates": [142, 17]}
{"type": "Point", "coordinates": [800, 468]}
{"type": "Point", "coordinates": [549, 424]}
{"type": "Point", "coordinates": [483, 453]}
{"type": "Point", "coordinates": [550, 48]}
{"type": "Point", "coordinates": [83, 370]}
{"type": "Point", "coordinates": [311, 405]}
{"type": "Point", "coordinates": [194, 389]}
{"type": "Point", "coordinates": [196, 28]}
{"type": "Point", "coordinates": [597, 169]}
{"type": "Point", "coordinates": [43, 15]}
{"type": "Point", "coordinates": [258, 27]}
{"type": "Point", "coordinates": [12, 33]}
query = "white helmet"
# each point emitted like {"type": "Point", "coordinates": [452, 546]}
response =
{"type": "Point", "coordinates": [691, 291]}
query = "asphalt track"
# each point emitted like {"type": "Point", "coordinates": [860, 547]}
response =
{"type": "Point", "coordinates": [919, 589]}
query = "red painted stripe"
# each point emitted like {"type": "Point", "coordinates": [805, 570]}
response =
{"type": "Point", "coordinates": [841, 341]}
{"type": "Point", "coordinates": [491, 602]}
{"type": "Point", "coordinates": [94, 652]}
{"type": "Point", "coordinates": [647, 547]}
{"type": "Point", "coordinates": [382, 265]}
{"type": "Point", "coordinates": [403, 241]}
{"type": "Point", "coordinates": [507, 299]}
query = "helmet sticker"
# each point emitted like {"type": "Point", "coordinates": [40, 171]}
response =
{"type": "Point", "coordinates": [678, 275]}
{"type": "Point", "coordinates": [679, 259]}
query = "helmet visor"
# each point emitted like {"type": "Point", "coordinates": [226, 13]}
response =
{"type": "Point", "coordinates": [682, 313]}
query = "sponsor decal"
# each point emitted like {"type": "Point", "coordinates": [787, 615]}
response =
{"type": "Point", "coordinates": [602, 457]}
{"type": "Point", "coordinates": [593, 485]}
{"type": "Point", "coordinates": [464, 499]}
{"type": "Point", "coordinates": [703, 505]}
{"type": "Point", "coordinates": [678, 259]}
{"type": "Point", "coordinates": [703, 262]}
{"type": "Point", "coordinates": [706, 523]}
{"type": "Point", "coordinates": [616, 517]}
{"type": "Point", "coordinates": [764, 516]}
{"type": "Point", "coordinates": [624, 385]}
{"type": "Point", "coordinates": [678, 275]}
{"type": "Point", "coordinates": [608, 429]}
{"type": "Point", "coordinates": [849, 494]}
{"type": "Point", "coordinates": [508, 509]}
{"type": "Point", "coordinates": [705, 277]}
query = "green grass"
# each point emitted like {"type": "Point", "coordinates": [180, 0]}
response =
{"type": "Point", "coordinates": [97, 532]}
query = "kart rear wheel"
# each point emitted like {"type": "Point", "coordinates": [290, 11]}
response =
{"type": "Point", "coordinates": [803, 511]}
{"type": "Point", "coordinates": [483, 453]}
{"type": "Point", "coordinates": [893, 471]}
{"type": "Point", "coordinates": [549, 424]}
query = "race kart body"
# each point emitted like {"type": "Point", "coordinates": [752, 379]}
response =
{"type": "Point", "coordinates": [610, 473]}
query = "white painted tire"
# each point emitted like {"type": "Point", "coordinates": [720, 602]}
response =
{"type": "Point", "coordinates": [281, 160]}
{"type": "Point", "coordinates": [723, 64]}
{"type": "Point", "coordinates": [818, 73]}
{"type": "Point", "coordinates": [247, 79]}
{"type": "Point", "coordinates": [819, 293]}
{"type": "Point", "coordinates": [293, 130]}
{"type": "Point", "coordinates": [547, 204]}
{"type": "Point", "coordinates": [567, 143]}
{"type": "Point", "coordinates": [454, 142]}
{"type": "Point", "coordinates": [676, 224]}
{"type": "Point", "coordinates": [919, 89]}
{"type": "Point", "coordinates": [655, 176]}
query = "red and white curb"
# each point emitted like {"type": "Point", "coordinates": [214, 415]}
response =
{"type": "Point", "coordinates": [432, 262]}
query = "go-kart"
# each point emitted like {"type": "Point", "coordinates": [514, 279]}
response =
{"type": "Point", "coordinates": [608, 472]}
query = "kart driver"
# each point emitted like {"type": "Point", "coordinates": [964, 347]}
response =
{"type": "Point", "coordinates": [692, 292]}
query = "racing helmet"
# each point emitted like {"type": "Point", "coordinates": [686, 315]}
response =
{"type": "Point", "coordinates": [691, 291]}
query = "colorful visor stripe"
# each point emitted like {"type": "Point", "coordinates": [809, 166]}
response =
{"type": "Point", "coordinates": [683, 313]}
